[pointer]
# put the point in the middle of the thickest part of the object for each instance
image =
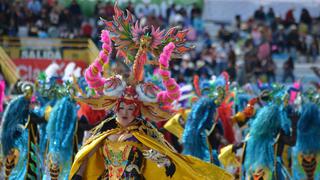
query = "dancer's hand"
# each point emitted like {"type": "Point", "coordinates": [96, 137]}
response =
{"type": "Point", "coordinates": [161, 160]}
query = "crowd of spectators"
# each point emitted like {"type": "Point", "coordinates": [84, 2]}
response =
{"type": "Point", "coordinates": [47, 18]}
{"type": "Point", "coordinates": [43, 19]}
{"type": "Point", "coordinates": [269, 35]}
{"type": "Point", "coordinates": [250, 43]}
{"type": "Point", "coordinates": [247, 49]}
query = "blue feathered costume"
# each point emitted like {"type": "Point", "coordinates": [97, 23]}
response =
{"type": "Point", "coordinates": [199, 124]}
{"type": "Point", "coordinates": [43, 110]}
{"type": "Point", "coordinates": [18, 139]}
{"type": "Point", "coordinates": [61, 130]}
{"type": "Point", "coordinates": [307, 150]}
{"type": "Point", "coordinates": [260, 158]}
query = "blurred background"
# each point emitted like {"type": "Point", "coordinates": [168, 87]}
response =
{"type": "Point", "coordinates": [253, 40]}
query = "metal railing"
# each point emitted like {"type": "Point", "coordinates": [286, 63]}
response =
{"type": "Point", "coordinates": [8, 68]}
{"type": "Point", "coordinates": [77, 44]}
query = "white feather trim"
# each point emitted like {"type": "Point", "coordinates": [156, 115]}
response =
{"type": "Point", "coordinates": [68, 71]}
{"type": "Point", "coordinates": [186, 96]}
{"type": "Point", "coordinates": [77, 72]}
{"type": "Point", "coordinates": [142, 96]}
{"type": "Point", "coordinates": [186, 88]}
{"type": "Point", "coordinates": [116, 90]}
{"type": "Point", "coordinates": [52, 70]}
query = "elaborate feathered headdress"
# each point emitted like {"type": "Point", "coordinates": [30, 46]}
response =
{"type": "Point", "coordinates": [136, 43]}
{"type": "Point", "coordinates": [197, 128]}
{"type": "Point", "coordinates": [308, 129]}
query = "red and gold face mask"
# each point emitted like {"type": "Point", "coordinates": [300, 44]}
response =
{"type": "Point", "coordinates": [129, 97]}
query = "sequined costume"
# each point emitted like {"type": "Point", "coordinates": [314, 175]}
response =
{"type": "Point", "coordinates": [137, 150]}
{"type": "Point", "coordinates": [62, 139]}
{"type": "Point", "coordinates": [306, 153]}
{"type": "Point", "coordinates": [19, 138]}
{"type": "Point", "coordinates": [263, 147]}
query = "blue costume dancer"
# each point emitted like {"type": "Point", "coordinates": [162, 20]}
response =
{"type": "Point", "coordinates": [307, 150]}
{"type": "Point", "coordinates": [61, 130]}
{"type": "Point", "coordinates": [202, 134]}
{"type": "Point", "coordinates": [197, 129]}
{"type": "Point", "coordinates": [19, 138]}
{"type": "Point", "coordinates": [269, 130]}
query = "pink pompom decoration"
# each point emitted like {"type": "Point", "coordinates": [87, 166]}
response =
{"type": "Point", "coordinates": [172, 88]}
{"type": "Point", "coordinates": [88, 74]}
{"type": "Point", "coordinates": [105, 37]}
{"type": "Point", "coordinates": [165, 55]}
{"type": "Point", "coordinates": [90, 77]}
{"type": "Point", "coordinates": [2, 94]}
{"type": "Point", "coordinates": [168, 96]}
{"type": "Point", "coordinates": [175, 91]}
{"type": "Point", "coordinates": [169, 82]}
{"type": "Point", "coordinates": [97, 64]}
{"type": "Point", "coordinates": [96, 81]}
{"type": "Point", "coordinates": [164, 73]}
{"type": "Point", "coordinates": [107, 47]}
{"type": "Point", "coordinates": [93, 81]}
{"type": "Point", "coordinates": [162, 96]}
{"type": "Point", "coordinates": [169, 47]}
{"type": "Point", "coordinates": [104, 57]}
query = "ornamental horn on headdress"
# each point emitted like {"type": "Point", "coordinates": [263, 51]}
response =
{"type": "Point", "coordinates": [136, 44]}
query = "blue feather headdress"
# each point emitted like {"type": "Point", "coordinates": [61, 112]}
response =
{"type": "Point", "coordinates": [53, 87]}
{"type": "Point", "coordinates": [14, 135]}
{"type": "Point", "coordinates": [200, 120]}
{"type": "Point", "coordinates": [211, 88]}
{"type": "Point", "coordinates": [61, 128]}
{"type": "Point", "coordinates": [281, 99]}
{"type": "Point", "coordinates": [14, 118]}
{"type": "Point", "coordinates": [308, 133]}
{"type": "Point", "coordinates": [264, 129]}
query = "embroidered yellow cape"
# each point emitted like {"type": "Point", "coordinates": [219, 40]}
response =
{"type": "Point", "coordinates": [187, 167]}
{"type": "Point", "coordinates": [173, 125]}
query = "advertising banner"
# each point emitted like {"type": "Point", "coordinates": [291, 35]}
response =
{"type": "Point", "coordinates": [54, 49]}
{"type": "Point", "coordinates": [29, 69]}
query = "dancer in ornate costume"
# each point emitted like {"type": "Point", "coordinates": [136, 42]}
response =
{"type": "Point", "coordinates": [62, 124]}
{"type": "Point", "coordinates": [62, 141]}
{"type": "Point", "coordinates": [269, 131]}
{"type": "Point", "coordinates": [200, 126]}
{"type": "Point", "coordinates": [127, 145]}
{"type": "Point", "coordinates": [307, 150]}
{"type": "Point", "coordinates": [19, 137]}
{"type": "Point", "coordinates": [204, 130]}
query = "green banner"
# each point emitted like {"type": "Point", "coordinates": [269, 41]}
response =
{"type": "Point", "coordinates": [158, 6]}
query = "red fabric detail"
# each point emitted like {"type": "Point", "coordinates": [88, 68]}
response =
{"type": "Point", "coordinates": [196, 85]}
{"type": "Point", "coordinates": [93, 116]}
{"type": "Point", "coordinates": [224, 113]}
